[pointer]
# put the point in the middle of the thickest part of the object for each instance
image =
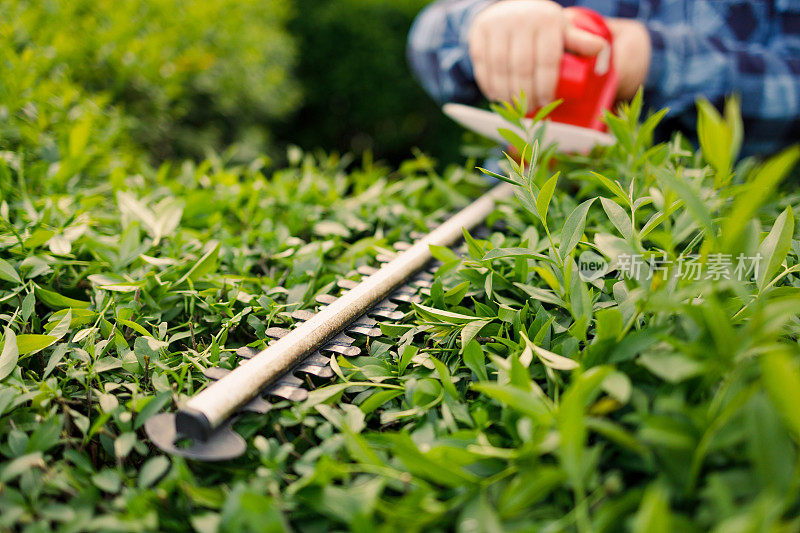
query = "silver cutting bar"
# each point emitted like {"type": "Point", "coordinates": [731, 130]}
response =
{"type": "Point", "coordinates": [211, 407]}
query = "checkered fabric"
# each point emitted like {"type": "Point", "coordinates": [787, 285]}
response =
{"type": "Point", "coordinates": [708, 48]}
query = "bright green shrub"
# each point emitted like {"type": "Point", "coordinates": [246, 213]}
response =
{"type": "Point", "coordinates": [185, 75]}
{"type": "Point", "coordinates": [518, 396]}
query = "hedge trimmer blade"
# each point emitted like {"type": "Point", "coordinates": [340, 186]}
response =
{"type": "Point", "coordinates": [201, 428]}
{"type": "Point", "coordinates": [569, 138]}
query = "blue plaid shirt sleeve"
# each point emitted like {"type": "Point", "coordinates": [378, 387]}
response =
{"type": "Point", "coordinates": [707, 48]}
{"type": "Point", "coordinates": [438, 51]}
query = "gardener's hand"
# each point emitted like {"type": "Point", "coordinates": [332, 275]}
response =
{"type": "Point", "coordinates": [517, 45]}
{"type": "Point", "coordinates": [632, 51]}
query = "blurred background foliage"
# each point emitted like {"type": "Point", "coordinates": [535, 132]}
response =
{"type": "Point", "coordinates": [106, 82]}
{"type": "Point", "coordinates": [359, 93]}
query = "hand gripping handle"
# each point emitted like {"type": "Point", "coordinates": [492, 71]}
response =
{"type": "Point", "coordinates": [587, 85]}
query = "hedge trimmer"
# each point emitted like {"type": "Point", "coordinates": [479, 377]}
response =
{"type": "Point", "coordinates": [201, 428]}
{"type": "Point", "coordinates": [205, 419]}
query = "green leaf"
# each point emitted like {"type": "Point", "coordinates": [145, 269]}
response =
{"type": "Point", "coordinates": [378, 399]}
{"type": "Point", "coordinates": [499, 253]}
{"type": "Point", "coordinates": [545, 195]}
{"type": "Point", "coordinates": [508, 113]}
{"type": "Point", "coordinates": [20, 465]}
{"type": "Point", "coordinates": [430, 313]}
{"type": "Point", "coordinates": [527, 402]}
{"type": "Point", "coordinates": [572, 423]}
{"type": "Point", "coordinates": [45, 436]}
{"type": "Point", "coordinates": [775, 247]}
{"type": "Point", "coordinates": [498, 176]}
{"type": "Point", "coordinates": [79, 136]}
{"type": "Point", "coordinates": [618, 217]}
{"type": "Point", "coordinates": [38, 238]}
{"type": "Point", "coordinates": [58, 301]}
{"type": "Point", "coordinates": [733, 117]}
{"type": "Point", "coordinates": [8, 273]}
{"type": "Point", "coordinates": [529, 488]}
{"type": "Point", "coordinates": [471, 329]}
{"type": "Point", "coordinates": [608, 323]}
{"type": "Point", "coordinates": [409, 352]}
{"type": "Point", "coordinates": [134, 326]}
{"type": "Point", "coordinates": [443, 253]}
{"type": "Point", "coordinates": [543, 295]}
{"type": "Point", "coordinates": [755, 193]}
{"type": "Point", "coordinates": [445, 378]}
{"type": "Point", "coordinates": [548, 358]}
{"type": "Point", "coordinates": [56, 357]}
{"type": "Point", "coordinates": [153, 406]}
{"type": "Point", "coordinates": [107, 480]}
{"type": "Point", "coordinates": [153, 470]}
{"type": "Point", "coordinates": [671, 367]}
{"type": "Point", "coordinates": [545, 110]}
{"type": "Point", "coordinates": [474, 248]}
{"type": "Point", "coordinates": [513, 138]}
{"type": "Point", "coordinates": [30, 343]}
{"type": "Point", "coordinates": [694, 204]}
{"type": "Point", "coordinates": [654, 514]}
{"type": "Point", "coordinates": [479, 516]}
{"type": "Point", "coordinates": [456, 294]}
{"type": "Point", "coordinates": [428, 465]}
{"type": "Point", "coordinates": [10, 355]}
{"type": "Point", "coordinates": [205, 265]}
{"type": "Point", "coordinates": [618, 385]}
{"type": "Point", "coordinates": [28, 304]}
{"type": "Point", "coordinates": [475, 359]}
{"type": "Point", "coordinates": [781, 378]}
{"type": "Point", "coordinates": [716, 138]}
{"type": "Point", "coordinates": [123, 444]}
{"type": "Point", "coordinates": [573, 228]}
{"type": "Point", "coordinates": [614, 188]}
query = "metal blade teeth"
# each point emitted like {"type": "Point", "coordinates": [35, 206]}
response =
{"type": "Point", "coordinates": [387, 314]}
{"type": "Point", "coordinates": [342, 340]}
{"type": "Point", "coordinates": [366, 270]}
{"type": "Point", "coordinates": [289, 386]}
{"type": "Point", "coordinates": [406, 297]}
{"type": "Point", "coordinates": [385, 257]}
{"type": "Point", "coordinates": [258, 405]}
{"type": "Point", "coordinates": [365, 331]}
{"type": "Point", "coordinates": [317, 365]}
{"type": "Point", "coordinates": [347, 283]}
{"type": "Point", "coordinates": [246, 352]}
{"type": "Point", "coordinates": [362, 326]}
{"type": "Point", "coordinates": [347, 351]}
{"type": "Point", "coordinates": [276, 333]}
{"type": "Point", "coordinates": [288, 392]}
{"type": "Point", "coordinates": [325, 299]}
{"type": "Point", "coordinates": [302, 314]}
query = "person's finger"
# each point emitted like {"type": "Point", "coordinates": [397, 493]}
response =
{"type": "Point", "coordinates": [523, 66]}
{"type": "Point", "coordinates": [549, 49]}
{"type": "Point", "coordinates": [581, 42]}
{"type": "Point", "coordinates": [498, 69]}
{"type": "Point", "coordinates": [478, 50]}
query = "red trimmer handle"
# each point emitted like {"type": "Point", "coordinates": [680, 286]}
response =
{"type": "Point", "coordinates": [587, 85]}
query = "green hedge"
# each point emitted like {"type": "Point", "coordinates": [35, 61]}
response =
{"type": "Point", "coordinates": [180, 76]}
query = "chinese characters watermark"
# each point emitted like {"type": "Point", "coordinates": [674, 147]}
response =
{"type": "Point", "coordinates": [716, 267]}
